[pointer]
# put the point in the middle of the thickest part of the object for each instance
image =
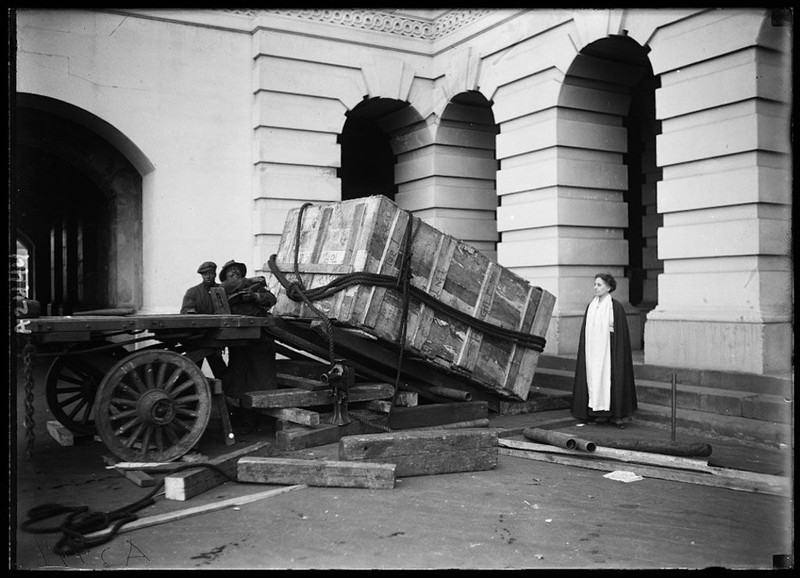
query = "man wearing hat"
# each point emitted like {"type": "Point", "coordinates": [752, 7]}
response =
{"type": "Point", "coordinates": [197, 299]}
{"type": "Point", "coordinates": [251, 366]}
{"type": "Point", "coordinates": [246, 295]}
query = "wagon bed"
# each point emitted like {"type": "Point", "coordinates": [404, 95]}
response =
{"type": "Point", "coordinates": [151, 403]}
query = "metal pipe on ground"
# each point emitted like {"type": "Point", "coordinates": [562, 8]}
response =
{"type": "Point", "coordinates": [558, 439]}
{"type": "Point", "coordinates": [450, 393]}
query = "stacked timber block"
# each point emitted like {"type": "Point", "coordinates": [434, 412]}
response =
{"type": "Point", "coordinates": [368, 235]}
{"type": "Point", "coordinates": [425, 452]}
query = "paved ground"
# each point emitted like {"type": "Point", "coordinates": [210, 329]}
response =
{"type": "Point", "coordinates": [522, 514]}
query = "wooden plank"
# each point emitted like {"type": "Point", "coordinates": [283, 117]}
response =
{"type": "Point", "coordinates": [460, 424]}
{"type": "Point", "coordinates": [326, 473]}
{"type": "Point", "coordinates": [138, 477]}
{"type": "Point", "coordinates": [303, 437]}
{"type": "Point", "coordinates": [204, 509]}
{"type": "Point", "coordinates": [437, 414]}
{"type": "Point", "coordinates": [648, 458]}
{"type": "Point", "coordinates": [774, 485]}
{"type": "Point", "coordinates": [60, 433]}
{"type": "Point", "coordinates": [190, 483]}
{"type": "Point", "coordinates": [294, 415]}
{"type": "Point", "coordinates": [292, 398]}
{"type": "Point", "coordinates": [308, 384]}
{"type": "Point", "coordinates": [614, 454]}
{"type": "Point", "coordinates": [425, 452]}
{"type": "Point", "coordinates": [404, 399]}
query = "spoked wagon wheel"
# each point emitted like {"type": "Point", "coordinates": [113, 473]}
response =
{"type": "Point", "coordinates": [152, 406]}
{"type": "Point", "coordinates": [71, 385]}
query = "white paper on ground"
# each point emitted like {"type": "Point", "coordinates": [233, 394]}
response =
{"type": "Point", "coordinates": [623, 476]}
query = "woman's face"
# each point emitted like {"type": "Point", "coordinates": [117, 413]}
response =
{"type": "Point", "coordinates": [600, 287]}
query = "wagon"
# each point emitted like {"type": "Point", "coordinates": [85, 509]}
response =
{"type": "Point", "coordinates": [149, 403]}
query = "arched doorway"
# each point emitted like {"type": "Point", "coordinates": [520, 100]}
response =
{"type": "Point", "coordinates": [367, 166]}
{"type": "Point", "coordinates": [76, 208]}
{"type": "Point", "coordinates": [611, 83]}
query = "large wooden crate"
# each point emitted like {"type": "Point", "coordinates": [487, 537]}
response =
{"type": "Point", "coordinates": [366, 235]}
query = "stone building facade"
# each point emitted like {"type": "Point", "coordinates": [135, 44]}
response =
{"type": "Point", "coordinates": [653, 144]}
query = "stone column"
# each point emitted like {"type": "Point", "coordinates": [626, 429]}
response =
{"type": "Point", "coordinates": [725, 297]}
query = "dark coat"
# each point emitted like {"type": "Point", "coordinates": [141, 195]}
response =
{"type": "Point", "coordinates": [198, 300]}
{"type": "Point", "coordinates": [623, 387]}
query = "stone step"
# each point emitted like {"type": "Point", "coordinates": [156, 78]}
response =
{"type": "Point", "coordinates": [704, 399]}
{"type": "Point", "coordinates": [780, 385]}
{"type": "Point", "coordinates": [754, 431]}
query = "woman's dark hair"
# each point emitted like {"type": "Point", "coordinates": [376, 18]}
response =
{"type": "Point", "coordinates": [608, 280]}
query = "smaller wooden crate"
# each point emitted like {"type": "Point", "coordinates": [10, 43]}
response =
{"type": "Point", "coordinates": [367, 235]}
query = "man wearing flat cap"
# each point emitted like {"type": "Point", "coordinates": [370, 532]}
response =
{"type": "Point", "coordinates": [197, 299]}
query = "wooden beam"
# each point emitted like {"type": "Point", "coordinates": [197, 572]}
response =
{"type": "Point", "coordinates": [305, 437]}
{"type": "Point", "coordinates": [190, 483]}
{"type": "Point", "coordinates": [294, 415]}
{"type": "Point", "coordinates": [138, 477]}
{"type": "Point", "coordinates": [460, 424]}
{"type": "Point", "coordinates": [614, 454]}
{"type": "Point", "coordinates": [437, 414]}
{"type": "Point", "coordinates": [308, 384]}
{"type": "Point", "coordinates": [425, 452]}
{"type": "Point", "coordinates": [404, 399]}
{"type": "Point", "coordinates": [773, 485]}
{"type": "Point", "coordinates": [278, 398]}
{"type": "Point", "coordinates": [326, 473]}
{"type": "Point", "coordinates": [204, 509]}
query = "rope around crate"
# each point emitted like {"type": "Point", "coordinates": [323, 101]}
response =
{"type": "Point", "coordinates": [296, 291]}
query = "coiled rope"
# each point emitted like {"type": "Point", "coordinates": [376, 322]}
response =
{"type": "Point", "coordinates": [80, 521]}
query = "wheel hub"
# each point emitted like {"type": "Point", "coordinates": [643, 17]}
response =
{"type": "Point", "coordinates": [155, 407]}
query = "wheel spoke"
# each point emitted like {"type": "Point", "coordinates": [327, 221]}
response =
{"type": "Point", "coordinates": [180, 389]}
{"type": "Point", "coordinates": [171, 434]}
{"type": "Point", "coordinates": [187, 399]}
{"type": "Point", "coordinates": [148, 433]}
{"type": "Point", "coordinates": [134, 436]}
{"type": "Point", "coordinates": [64, 402]}
{"type": "Point", "coordinates": [173, 378]}
{"type": "Point", "coordinates": [148, 375]}
{"type": "Point", "coordinates": [70, 379]}
{"type": "Point", "coordinates": [162, 371]}
{"type": "Point", "coordinates": [77, 409]}
{"type": "Point", "coordinates": [186, 411]}
{"type": "Point", "coordinates": [137, 381]}
{"type": "Point", "coordinates": [118, 401]}
{"type": "Point", "coordinates": [159, 439]}
{"type": "Point", "coordinates": [124, 428]}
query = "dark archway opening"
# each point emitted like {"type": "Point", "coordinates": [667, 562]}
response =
{"type": "Point", "coordinates": [76, 208]}
{"type": "Point", "coordinates": [367, 166]}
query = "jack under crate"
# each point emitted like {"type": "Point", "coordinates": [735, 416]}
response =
{"type": "Point", "coordinates": [466, 314]}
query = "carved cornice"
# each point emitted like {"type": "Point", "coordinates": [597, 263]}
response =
{"type": "Point", "coordinates": [386, 22]}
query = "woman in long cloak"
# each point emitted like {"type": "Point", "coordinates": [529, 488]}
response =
{"type": "Point", "coordinates": [604, 387]}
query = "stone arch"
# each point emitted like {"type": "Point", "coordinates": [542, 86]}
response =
{"type": "Point", "coordinates": [607, 129]}
{"type": "Point", "coordinates": [377, 135]}
{"type": "Point", "coordinates": [464, 180]}
{"type": "Point", "coordinates": [78, 198]}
